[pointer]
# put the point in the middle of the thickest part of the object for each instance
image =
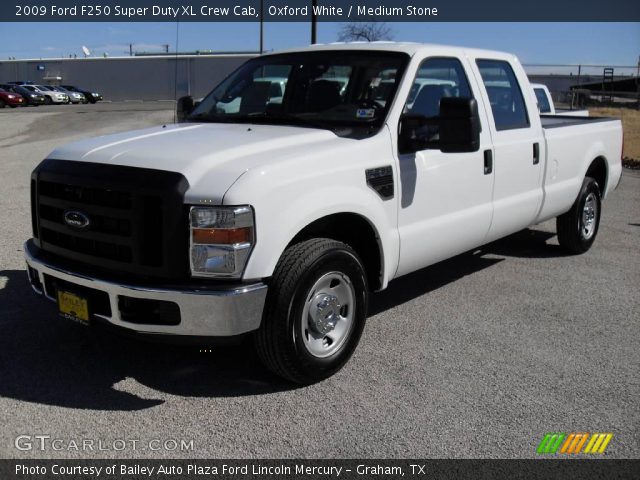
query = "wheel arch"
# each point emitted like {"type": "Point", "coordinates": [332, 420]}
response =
{"type": "Point", "coordinates": [598, 169]}
{"type": "Point", "coordinates": [356, 231]}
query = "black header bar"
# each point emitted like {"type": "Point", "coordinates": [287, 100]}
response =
{"type": "Point", "coordinates": [326, 11]}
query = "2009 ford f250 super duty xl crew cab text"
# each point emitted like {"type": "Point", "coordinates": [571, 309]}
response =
{"type": "Point", "coordinates": [303, 182]}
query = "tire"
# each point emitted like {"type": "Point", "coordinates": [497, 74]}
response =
{"type": "Point", "coordinates": [577, 229]}
{"type": "Point", "coordinates": [315, 311]}
{"type": "Point", "coordinates": [2, 104]}
{"type": "Point", "coordinates": [47, 101]}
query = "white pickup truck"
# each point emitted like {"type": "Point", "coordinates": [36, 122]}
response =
{"type": "Point", "coordinates": [547, 107]}
{"type": "Point", "coordinates": [276, 219]}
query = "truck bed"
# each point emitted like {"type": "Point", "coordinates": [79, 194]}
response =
{"type": "Point", "coordinates": [555, 121]}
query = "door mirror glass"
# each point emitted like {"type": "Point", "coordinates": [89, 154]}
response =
{"type": "Point", "coordinates": [184, 107]}
{"type": "Point", "coordinates": [459, 125]}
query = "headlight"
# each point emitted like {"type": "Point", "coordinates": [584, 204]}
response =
{"type": "Point", "coordinates": [11, 96]}
{"type": "Point", "coordinates": [221, 240]}
{"type": "Point", "coordinates": [95, 94]}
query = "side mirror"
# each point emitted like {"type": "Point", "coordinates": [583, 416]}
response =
{"type": "Point", "coordinates": [415, 131]}
{"type": "Point", "coordinates": [459, 124]}
{"type": "Point", "coordinates": [184, 107]}
{"type": "Point", "coordinates": [455, 129]}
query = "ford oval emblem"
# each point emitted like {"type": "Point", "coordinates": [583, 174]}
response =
{"type": "Point", "coordinates": [76, 219]}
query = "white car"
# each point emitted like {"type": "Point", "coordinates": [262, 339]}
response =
{"type": "Point", "coordinates": [547, 107]}
{"type": "Point", "coordinates": [277, 220]}
{"type": "Point", "coordinates": [50, 95]}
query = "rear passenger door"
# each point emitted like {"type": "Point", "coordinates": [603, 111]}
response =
{"type": "Point", "coordinates": [518, 147]}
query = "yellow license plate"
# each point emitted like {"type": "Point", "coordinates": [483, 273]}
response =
{"type": "Point", "coordinates": [73, 307]}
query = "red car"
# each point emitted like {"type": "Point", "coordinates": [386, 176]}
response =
{"type": "Point", "coordinates": [9, 98]}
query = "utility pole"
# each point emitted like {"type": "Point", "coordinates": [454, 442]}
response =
{"type": "Point", "coordinates": [314, 22]}
{"type": "Point", "coordinates": [638, 81]}
{"type": "Point", "coordinates": [261, 26]}
{"type": "Point", "coordinates": [131, 49]}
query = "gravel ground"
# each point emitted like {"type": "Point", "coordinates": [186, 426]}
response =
{"type": "Point", "coordinates": [478, 356]}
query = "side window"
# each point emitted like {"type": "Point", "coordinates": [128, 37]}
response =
{"type": "Point", "coordinates": [543, 101]}
{"type": "Point", "coordinates": [436, 78]}
{"type": "Point", "coordinates": [507, 102]}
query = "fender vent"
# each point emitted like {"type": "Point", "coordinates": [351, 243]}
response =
{"type": "Point", "coordinates": [381, 180]}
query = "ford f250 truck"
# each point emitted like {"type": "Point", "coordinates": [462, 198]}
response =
{"type": "Point", "coordinates": [304, 181]}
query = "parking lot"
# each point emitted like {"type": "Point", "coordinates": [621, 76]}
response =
{"type": "Point", "coordinates": [478, 356]}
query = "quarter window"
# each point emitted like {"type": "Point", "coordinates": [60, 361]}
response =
{"type": "Point", "coordinates": [507, 102]}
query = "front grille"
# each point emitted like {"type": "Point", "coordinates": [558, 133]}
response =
{"type": "Point", "coordinates": [136, 220]}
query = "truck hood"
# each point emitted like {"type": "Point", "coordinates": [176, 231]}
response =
{"type": "Point", "coordinates": [212, 156]}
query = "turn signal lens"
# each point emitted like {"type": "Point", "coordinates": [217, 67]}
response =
{"type": "Point", "coordinates": [216, 236]}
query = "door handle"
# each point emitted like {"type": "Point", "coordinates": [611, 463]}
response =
{"type": "Point", "coordinates": [488, 162]}
{"type": "Point", "coordinates": [536, 153]}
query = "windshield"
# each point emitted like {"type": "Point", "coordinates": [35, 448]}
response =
{"type": "Point", "coordinates": [327, 89]}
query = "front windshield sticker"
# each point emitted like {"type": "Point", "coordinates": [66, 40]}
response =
{"type": "Point", "coordinates": [366, 113]}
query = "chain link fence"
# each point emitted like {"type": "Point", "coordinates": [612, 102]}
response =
{"type": "Point", "coordinates": [583, 86]}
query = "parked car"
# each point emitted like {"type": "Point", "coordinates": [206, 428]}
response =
{"type": "Point", "coordinates": [30, 98]}
{"type": "Point", "coordinates": [74, 97]}
{"type": "Point", "coordinates": [22, 82]}
{"type": "Point", "coordinates": [547, 107]}
{"type": "Point", "coordinates": [10, 98]}
{"type": "Point", "coordinates": [50, 96]}
{"type": "Point", "coordinates": [278, 220]}
{"type": "Point", "coordinates": [92, 97]}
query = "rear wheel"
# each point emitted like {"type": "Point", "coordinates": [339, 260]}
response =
{"type": "Point", "coordinates": [315, 311]}
{"type": "Point", "coordinates": [577, 229]}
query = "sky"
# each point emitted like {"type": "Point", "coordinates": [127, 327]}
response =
{"type": "Point", "coordinates": [533, 43]}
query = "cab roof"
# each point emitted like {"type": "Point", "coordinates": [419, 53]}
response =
{"type": "Point", "coordinates": [410, 48]}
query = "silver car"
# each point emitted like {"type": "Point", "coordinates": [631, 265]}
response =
{"type": "Point", "coordinates": [74, 97]}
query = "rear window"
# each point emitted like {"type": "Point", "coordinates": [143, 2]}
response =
{"type": "Point", "coordinates": [507, 102]}
{"type": "Point", "coordinates": [543, 101]}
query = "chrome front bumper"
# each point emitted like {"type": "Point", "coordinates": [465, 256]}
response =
{"type": "Point", "coordinates": [203, 313]}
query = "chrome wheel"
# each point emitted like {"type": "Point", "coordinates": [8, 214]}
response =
{"type": "Point", "coordinates": [328, 314]}
{"type": "Point", "coordinates": [588, 217]}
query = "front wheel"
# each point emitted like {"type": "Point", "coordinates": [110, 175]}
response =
{"type": "Point", "coordinates": [47, 101]}
{"type": "Point", "coordinates": [315, 311]}
{"type": "Point", "coordinates": [577, 229]}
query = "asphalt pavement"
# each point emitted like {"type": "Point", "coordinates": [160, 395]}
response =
{"type": "Point", "coordinates": [478, 356]}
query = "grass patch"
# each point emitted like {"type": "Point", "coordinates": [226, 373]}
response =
{"type": "Point", "coordinates": [631, 125]}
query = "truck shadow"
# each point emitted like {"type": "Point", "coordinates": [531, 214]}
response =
{"type": "Point", "coordinates": [528, 243]}
{"type": "Point", "coordinates": [48, 360]}
{"type": "Point", "coordinates": [44, 359]}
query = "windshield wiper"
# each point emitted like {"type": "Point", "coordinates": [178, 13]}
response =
{"type": "Point", "coordinates": [288, 119]}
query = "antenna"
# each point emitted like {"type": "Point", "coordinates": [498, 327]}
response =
{"type": "Point", "coordinates": [175, 79]}
{"type": "Point", "coordinates": [86, 51]}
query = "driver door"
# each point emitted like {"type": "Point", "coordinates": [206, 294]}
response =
{"type": "Point", "coordinates": [446, 198]}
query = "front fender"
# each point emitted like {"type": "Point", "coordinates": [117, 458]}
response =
{"type": "Point", "coordinates": [282, 214]}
